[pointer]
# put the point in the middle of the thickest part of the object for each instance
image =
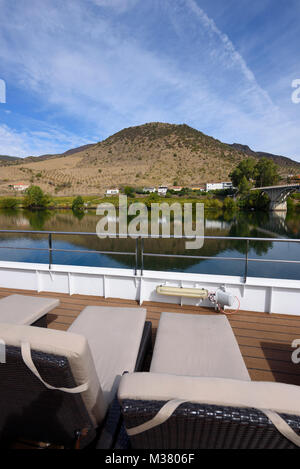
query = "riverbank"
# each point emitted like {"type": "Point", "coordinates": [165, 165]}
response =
{"type": "Point", "coordinates": [210, 201]}
{"type": "Point", "coordinates": [92, 202]}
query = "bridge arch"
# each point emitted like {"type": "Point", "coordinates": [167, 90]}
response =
{"type": "Point", "coordinates": [278, 195]}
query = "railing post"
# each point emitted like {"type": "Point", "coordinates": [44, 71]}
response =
{"type": "Point", "coordinates": [142, 256]}
{"type": "Point", "coordinates": [136, 255]}
{"type": "Point", "coordinates": [50, 249]}
{"type": "Point", "coordinates": [246, 261]}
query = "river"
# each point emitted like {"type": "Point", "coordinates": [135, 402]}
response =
{"type": "Point", "coordinates": [240, 224]}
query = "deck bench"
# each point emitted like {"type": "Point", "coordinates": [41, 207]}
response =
{"type": "Point", "coordinates": [26, 310]}
{"type": "Point", "coordinates": [199, 394]}
{"type": "Point", "coordinates": [197, 345]}
{"type": "Point", "coordinates": [114, 333]}
{"type": "Point", "coordinates": [59, 386]}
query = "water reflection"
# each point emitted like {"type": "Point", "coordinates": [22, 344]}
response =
{"type": "Point", "coordinates": [37, 218]}
{"type": "Point", "coordinates": [217, 223]}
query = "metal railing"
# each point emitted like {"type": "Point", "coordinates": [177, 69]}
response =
{"type": "Point", "coordinates": [140, 253]}
{"type": "Point", "coordinates": [51, 250]}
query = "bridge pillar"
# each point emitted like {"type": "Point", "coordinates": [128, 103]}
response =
{"type": "Point", "coordinates": [278, 206]}
{"type": "Point", "coordinates": [278, 198]}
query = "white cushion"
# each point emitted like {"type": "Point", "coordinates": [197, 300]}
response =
{"type": "Point", "coordinates": [23, 309]}
{"type": "Point", "coordinates": [114, 336]}
{"type": "Point", "coordinates": [282, 398]}
{"type": "Point", "coordinates": [72, 346]}
{"type": "Point", "coordinates": [197, 345]}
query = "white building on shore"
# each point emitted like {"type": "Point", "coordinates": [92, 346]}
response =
{"type": "Point", "coordinates": [149, 190]}
{"type": "Point", "coordinates": [162, 190]}
{"type": "Point", "coordinates": [218, 186]}
{"type": "Point", "coordinates": [20, 187]}
{"type": "Point", "coordinates": [112, 192]}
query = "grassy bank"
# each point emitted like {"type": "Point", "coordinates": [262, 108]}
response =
{"type": "Point", "coordinates": [55, 202]}
{"type": "Point", "coordinates": [91, 202]}
{"type": "Point", "coordinates": [211, 202]}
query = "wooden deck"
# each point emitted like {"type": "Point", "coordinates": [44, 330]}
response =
{"type": "Point", "coordinates": [265, 340]}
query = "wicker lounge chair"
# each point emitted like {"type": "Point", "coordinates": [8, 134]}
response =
{"type": "Point", "coordinates": [26, 310]}
{"type": "Point", "coordinates": [198, 393]}
{"type": "Point", "coordinates": [57, 386]}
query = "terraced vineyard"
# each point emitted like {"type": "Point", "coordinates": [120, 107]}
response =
{"type": "Point", "coordinates": [151, 154]}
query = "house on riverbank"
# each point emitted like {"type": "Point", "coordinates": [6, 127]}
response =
{"type": "Point", "coordinates": [20, 187]}
{"type": "Point", "coordinates": [218, 186]}
{"type": "Point", "coordinates": [112, 192]}
{"type": "Point", "coordinates": [149, 190]}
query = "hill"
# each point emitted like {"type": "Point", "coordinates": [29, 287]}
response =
{"type": "Point", "coordinates": [282, 161]}
{"type": "Point", "coordinates": [66, 153]}
{"type": "Point", "coordinates": [149, 154]}
{"type": "Point", "coordinates": [5, 159]}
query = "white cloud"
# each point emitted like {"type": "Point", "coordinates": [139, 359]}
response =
{"type": "Point", "coordinates": [80, 64]}
{"type": "Point", "coordinates": [34, 143]}
{"type": "Point", "coordinates": [119, 5]}
{"type": "Point", "coordinates": [230, 51]}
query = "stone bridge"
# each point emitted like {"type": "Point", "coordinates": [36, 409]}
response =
{"type": "Point", "coordinates": [278, 194]}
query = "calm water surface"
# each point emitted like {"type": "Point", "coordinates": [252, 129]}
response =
{"type": "Point", "coordinates": [250, 224]}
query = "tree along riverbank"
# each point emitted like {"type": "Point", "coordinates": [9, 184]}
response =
{"type": "Point", "coordinates": [231, 199]}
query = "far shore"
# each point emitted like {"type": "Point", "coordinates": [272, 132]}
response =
{"type": "Point", "coordinates": [211, 201]}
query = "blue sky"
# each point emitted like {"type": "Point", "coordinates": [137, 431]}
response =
{"type": "Point", "coordinates": [79, 70]}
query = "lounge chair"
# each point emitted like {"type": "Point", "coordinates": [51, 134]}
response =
{"type": "Point", "coordinates": [57, 386]}
{"type": "Point", "coordinates": [26, 310]}
{"type": "Point", "coordinates": [198, 393]}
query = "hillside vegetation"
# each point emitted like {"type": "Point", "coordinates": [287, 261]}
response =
{"type": "Point", "coordinates": [150, 154]}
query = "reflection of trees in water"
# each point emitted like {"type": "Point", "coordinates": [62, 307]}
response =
{"type": "Point", "coordinates": [66, 221]}
{"type": "Point", "coordinates": [245, 226]}
{"type": "Point", "coordinates": [293, 223]}
{"type": "Point", "coordinates": [236, 224]}
{"type": "Point", "coordinates": [12, 219]}
{"type": "Point", "coordinates": [79, 214]}
{"type": "Point", "coordinates": [273, 224]}
{"type": "Point", "coordinates": [38, 218]}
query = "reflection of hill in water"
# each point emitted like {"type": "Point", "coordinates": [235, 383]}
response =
{"type": "Point", "coordinates": [216, 224]}
{"type": "Point", "coordinates": [65, 221]}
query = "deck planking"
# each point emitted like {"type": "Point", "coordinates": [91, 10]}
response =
{"type": "Point", "coordinates": [264, 339]}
